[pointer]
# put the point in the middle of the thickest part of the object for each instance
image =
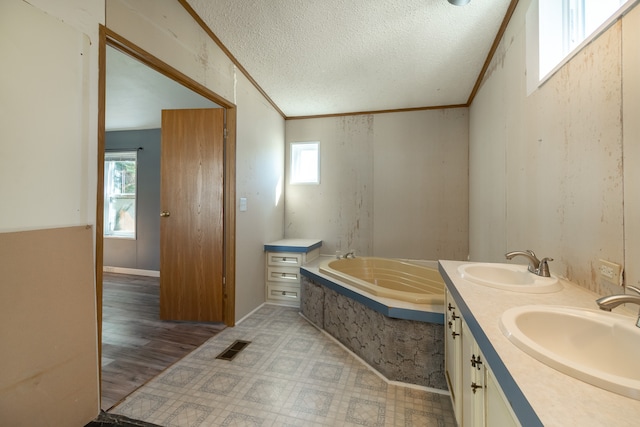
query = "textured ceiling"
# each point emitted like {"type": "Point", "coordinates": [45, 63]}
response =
{"type": "Point", "coordinates": [345, 56]}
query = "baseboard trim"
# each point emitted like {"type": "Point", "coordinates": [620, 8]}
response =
{"type": "Point", "coordinates": [250, 313]}
{"type": "Point", "coordinates": [134, 271]}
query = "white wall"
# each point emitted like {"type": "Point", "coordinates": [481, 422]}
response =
{"type": "Point", "coordinates": [392, 185]}
{"type": "Point", "coordinates": [630, 137]}
{"type": "Point", "coordinates": [48, 140]}
{"type": "Point", "coordinates": [47, 127]}
{"type": "Point", "coordinates": [340, 209]}
{"type": "Point", "coordinates": [421, 184]}
{"type": "Point", "coordinates": [546, 170]}
{"type": "Point", "coordinates": [259, 170]}
{"type": "Point", "coordinates": [167, 31]}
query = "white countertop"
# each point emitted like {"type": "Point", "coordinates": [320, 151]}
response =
{"type": "Point", "coordinates": [557, 399]}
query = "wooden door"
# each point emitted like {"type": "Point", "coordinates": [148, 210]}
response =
{"type": "Point", "coordinates": [191, 227]}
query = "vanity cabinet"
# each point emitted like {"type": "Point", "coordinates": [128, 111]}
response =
{"type": "Point", "coordinates": [475, 394]}
{"type": "Point", "coordinates": [453, 353]}
{"type": "Point", "coordinates": [498, 412]}
{"type": "Point", "coordinates": [473, 380]}
{"type": "Point", "coordinates": [282, 268]}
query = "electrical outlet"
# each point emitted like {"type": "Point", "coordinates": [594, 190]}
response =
{"type": "Point", "coordinates": [610, 272]}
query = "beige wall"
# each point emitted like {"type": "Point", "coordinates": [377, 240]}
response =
{"type": "Point", "coordinates": [48, 125]}
{"type": "Point", "coordinates": [259, 169]}
{"type": "Point", "coordinates": [48, 139]}
{"type": "Point", "coordinates": [167, 31]}
{"type": "Point", "coordinates": [546, 170]}
{"type": "Point", "coordinates": [392, 185]}
{"type": "Point", "coordinates": [631, 142]}
{"type": "Point", "coordinates": [49, 356]}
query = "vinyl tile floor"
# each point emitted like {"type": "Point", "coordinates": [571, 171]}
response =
{"type": "Point", "coordinates": [291, 374]}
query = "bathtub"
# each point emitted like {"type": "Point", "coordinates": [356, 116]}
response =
{"type": "Point", "coordinates": [388, 278]}
{"type": "Point", "coordinates": [388, 312]}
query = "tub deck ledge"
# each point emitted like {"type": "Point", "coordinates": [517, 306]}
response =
{"type": "Point", "coordinates": [430, 313]}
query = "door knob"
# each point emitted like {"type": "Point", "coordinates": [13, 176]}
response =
{"type": "Point", "coordinates": [164, 214]}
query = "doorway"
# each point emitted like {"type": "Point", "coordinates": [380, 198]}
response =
{"type": "Point", "coordinates": [108, 38]}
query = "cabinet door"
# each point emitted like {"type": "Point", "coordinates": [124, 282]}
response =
{"type": "Point", "coordinates": [477, 397]}
{"type": "Point", "coordinates": [498, 411]}
{"type": "Point", "coordinates": [453, 356]}
{"type": "Point", "coordinates": [473, 380]}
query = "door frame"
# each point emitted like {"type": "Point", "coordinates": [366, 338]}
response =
{"type": "Point", "coordinates": [110, 38]}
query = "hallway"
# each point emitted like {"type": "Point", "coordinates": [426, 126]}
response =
{"type": "Point", "coordinates": [136, 344]}
{"type": "Point", "coordinates": [291, 374]}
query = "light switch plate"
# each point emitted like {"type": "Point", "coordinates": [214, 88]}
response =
{"type": "Point", "coordinates": [243, 204]}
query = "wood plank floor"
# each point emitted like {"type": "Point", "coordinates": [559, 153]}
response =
{"type": "Point", "coordinates": [136, 344]}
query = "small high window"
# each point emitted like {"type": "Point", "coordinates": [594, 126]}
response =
{"type": "Point", "coordinates": [120, 182]}
{"type": "Point", "coordinates": [305, 163]}
{"type": "Point", "coordinates": [563, 26]}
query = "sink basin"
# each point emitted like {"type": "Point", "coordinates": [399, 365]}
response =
{"type": "Point", "coordinates": [512, 277]}
{"type": "Point", "coordinates": [594, 346]}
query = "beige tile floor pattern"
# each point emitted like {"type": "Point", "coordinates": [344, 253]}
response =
{"type": "Point", "coordinates": [291, 374]}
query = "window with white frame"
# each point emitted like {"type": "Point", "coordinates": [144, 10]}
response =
{"type": "Point", "coordinates": [563, 25]}
{"type": "Point", "coordinates": [120, 191]}
{"type": "Point", "coordinates": [305, 163]}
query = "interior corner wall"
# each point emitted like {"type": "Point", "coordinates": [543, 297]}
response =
{"type": "Point", "coordinates": [546, 170]}
{"type": "Point", "coordinates": [168, 32]}
{"type": "Point", "coordinates": [48, 130]}
{"type": "Point", "coordinates": [143, 252]}
{"type": "Point", "coordinates": [392, 185]}
{"type": "Point", "coordinates": [259, 171]}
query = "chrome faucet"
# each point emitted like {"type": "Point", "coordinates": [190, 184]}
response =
{"type": "Point", "coordinates": [536, 266]}
{"type": "Point", "coordinates": [612, 301]}
{"type": "Point", "coordinates": [350, 254]}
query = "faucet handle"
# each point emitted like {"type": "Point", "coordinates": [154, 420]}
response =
{"type": "Point", "coordinates": [543, 268]}
{"type": "Point", "coordinates": [633, 288]}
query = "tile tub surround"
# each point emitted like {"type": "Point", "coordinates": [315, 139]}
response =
{"type": "Point", "coordinates": [407, 351]}
{"type": "Point", "coordinates": [291, 374]}
{"type": "Point", "coordinates": [555, 398]}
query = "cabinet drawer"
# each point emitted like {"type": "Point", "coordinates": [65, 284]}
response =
{"type": "Point", "coordinates": [279, 274]}
{"type": "Point", "coordinates": [278, 292]}
{"type": "Point", "coordinates": [284, 259]}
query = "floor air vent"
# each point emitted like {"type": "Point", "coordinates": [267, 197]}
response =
{"type": "Point", "coordinates": [233, 350]}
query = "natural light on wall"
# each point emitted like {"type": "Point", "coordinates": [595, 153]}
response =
{"type": "Point", "coordinates": [278, 190]}
{"type": "Point", "coordinates": [563, 26]}
{"type": "Point", "coordinates": [305, 163]}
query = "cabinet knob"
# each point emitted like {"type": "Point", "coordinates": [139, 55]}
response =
{"type": "Point", "coordinates": [165, 214]}
{"type": "Point", "coordinates": [454, 335]}
{"type": "Point", "coordinates": [450, 307]}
